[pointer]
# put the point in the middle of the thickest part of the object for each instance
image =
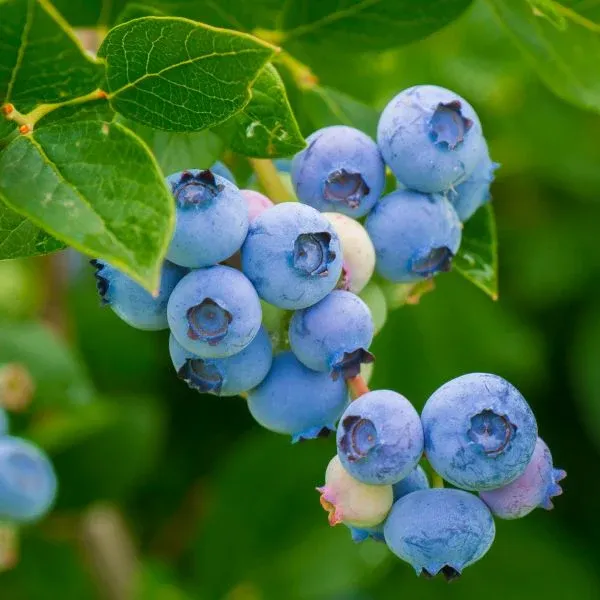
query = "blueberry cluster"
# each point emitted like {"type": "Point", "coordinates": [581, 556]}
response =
{"type": "Point", "coordinates": [277, 302]}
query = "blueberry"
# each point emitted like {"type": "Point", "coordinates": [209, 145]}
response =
{"type": "Point", "coordinates": [212, 219]}
{"type": "Point", "coordinates": [374, 298]}
{"type": "Point", "coordinates": [439, 530]}
{"type": "Point", "coordinates": [296, 401]}
{"type": "Point", "coordinates": [535, 487]}
{"type": "Point", "coordinates": [351, 502]}
{"type": "Point", "coordinates": [228, 376]}
{"type": "Point", "coordinates": [472, 193]}
{"type": "Point", "coordinates": [130, 301]}
{"type": "Point", "coordinates": [430, 138]}
{"type": "Point", "coordinates": [220, 169]}
{"type": "Point", "coordinates": [333, 335]}
{"type": "Point", "coordinates": [380, 438]}
{"type": "Point", "coordinates": [358, 250]}
{"type": "Point", "coordinates": [214, 312]}
{"type": "Point", "coordinates": [292, 255]}
{"type": "Point", "coordinates": [340, 170]}
{"type": "Point", "coordinates": [257, 203]}
{"type": "Point", "coordinates": [415, 235]}
{"type": "Point", "coordinates": [480, 433]}
{"type": "Point", "coordinates": [27, 481]}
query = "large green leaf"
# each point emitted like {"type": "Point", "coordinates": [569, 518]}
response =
{"type": "Point", "coordinates": [179, 75]}
{"type": "Point", "coordinates": [41, 61]}
{"type": "Point", "coordinates": [266, 126]}
{"type": "Point", "coordinates": [95, 186]}
{"type": "Point", "coordinates": [563, 41]}
{"type": "Point", "coordinates": [477, 259]}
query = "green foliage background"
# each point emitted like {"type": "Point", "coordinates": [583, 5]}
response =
{"type": "Point", "coordinates": [219, 509]}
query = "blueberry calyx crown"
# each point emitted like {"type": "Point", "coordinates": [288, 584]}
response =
{"type": "Point", "coordinates": [346, 187]}
{"type": "Point", "coordinates": [435, 261]}
{"type": "Point", "coordinates": [491, 431]}
{"type": "Point", "coordinates": [359, 437]}
{"type": "Point", "coordinates": [447, 124]}
{"type": "Point", "coordinates": [348, 365]}
{"type": "Point", "coordinates": [102, 284]}
{"type": "Point", "coordinates": [208, 321]}
{"type": "Point", "coordinates": [553, 488]}
{"type": "Point", "coordinates": [196, 189]}
{"type": "Point", "coordinates": [201, 376]}
{"type": "Point", "coordinates": [449, 573]}
{"type": "Point", "coordinates": [312, 255]}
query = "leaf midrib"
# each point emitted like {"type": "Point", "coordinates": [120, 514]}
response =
{"type": "Point", "coordinates": [22, 47]}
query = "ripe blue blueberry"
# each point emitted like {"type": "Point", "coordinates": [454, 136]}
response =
{"type": "Point", "coordinates": [228, 376]}
{"type": "Point", "coordinates": [130, 301]}
{"type": "Point", "coordinates": [415, 235]}
{"type": "Point", "coordinates": [214, 312]}
{"type": "Point", "coordinates": [296, 401]}
{"type": "Point", "coordinates": [380, 438]}
{"type": "Point", "coordinates": [472, 193]}
{"type": "Point", "coordinates": [340, 170]}
{"type": "Point", "coordinates": [535, 487]}
{"type": "Point", "coordinates": [439, 530]}
{"type": "Point", "coordinates": [212, 219]}
{"type": "Point", "coordinates": [220, 169]}
{"type": "Point", "coordinates": [333, 335]}
{"type": "Point", "coordinates": [27, 481]}
{"type": "Point", "coordinates": [480, 433]}
{"type": "Point", "coordinates": [292, 255]}
{"type": "Point", "coordinates": [430, 137]}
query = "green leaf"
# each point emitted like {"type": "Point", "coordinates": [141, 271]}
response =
{"type": "Point", "coordinates": [41, 61]}
{"type": "Point", "coordinates": [95, 186]}
{"type": "Point", "coordinates": [563, 42]}
{"type": "Point", "coordinates": [178, 75]}
{"type": "Point", "coordinates": [266, 126]}
{"type": "Point", "coordinates": [135, 10]}
{"type": "Point", "coordinates": [90, 13]}
{"type": "Point", "coordinates": [477, 259]}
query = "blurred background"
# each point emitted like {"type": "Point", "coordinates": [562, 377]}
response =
{"type": "Point", "coordinates": [191, 495]}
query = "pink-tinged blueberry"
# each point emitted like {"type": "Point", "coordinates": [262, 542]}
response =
{"type": "Point", "coordinates": [535, 487]}
{"type": "Point", "coordinates": [480, 433]}
{"type": "Point", "coordinates": [257, 203]}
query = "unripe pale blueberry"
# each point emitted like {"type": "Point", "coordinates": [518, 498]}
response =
{"type": "Point", "coordinates": [333, 335]}
{"type": "Point", "coordinates": [257, 203]}
{"type": "Point", "coordinates": [130, 301]}
{"type": "Point", "coordinates": [220, 169]}
{"type": "Point", "coordinates": [472, 193]}
{"type": "Point", "coordinates": [439, 530]}
{"type": "Point", "coordinates": [430, 137]}
{"type": "Point", "coordinates": [3, 422]}
{"type": "Point", "coordinates": [340, 170]}
{"type": "Point", "coordinates": [292, 255]}
{"type": "Point", "coordinates": [296, 401]}
{"type": "Point", "coordinates": [27, 481]}
{"type": "Point", "coordinates": [351, 502]}
{"type": "Point", "coordinates": [357, 248]}
{"type": "Point", "coordinates": [415, 235]}
{"type": "Point", "coordinates": [228, 376]}
{"type": "Point", "coordinates": [380, 438]}
{"type": "Point", "coordinates": [374, 298]}
{"type": "Point", "coordinates": [480, 433]}
{"type": "Point", "coordinates": [535, 487]}
{"type": "Point", "coordinates": [214, 312]}
{"type": "Point", "coordinates": [212, 219]}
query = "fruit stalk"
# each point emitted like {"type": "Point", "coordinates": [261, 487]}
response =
{"type": "Point", "coordinates": [357, 386]}
{"type": "Point", "coordinates": [269, 180]}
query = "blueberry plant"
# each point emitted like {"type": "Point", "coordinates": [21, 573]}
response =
{"type": "Point", "coordinates": [173, 154]}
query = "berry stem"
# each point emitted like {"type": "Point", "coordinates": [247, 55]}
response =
{"type": "Point", "coordinates": [269, 180]}
{"type": "Point", "coordinates": [436, 480]}
{"type": "Point", "coordinates": [357, 386]}
{"type": "Point", "coordinates": [304, 78]}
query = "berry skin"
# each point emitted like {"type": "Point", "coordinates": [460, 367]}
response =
{"type": "Point", "coordinates": [374, 298]}
{"type": "Point", "coordinates": [228, 376]}
{"type": "Point", "coordinates": [535, 487]}
{"type": "Point", "coordinates": [212, 219]}
{"type": "Point", "coordinates": [351, 502]}
{"type": "Point", "coordinates": [340, 170]}
{"type": "Point", "coordinates": [474, 192]}
{"type": "Point", "coordinates": [380, 438]}
{"type": "Point", "coordinates": [292, 255]}
{"type": "Point", "coordinates": [257, 203]}
{"type": "Point", "coordinates": [415, 235]}
{"type": "Point", "coordinates": [430, 138]}
{"type": "Point", "coordinates": [333, 335]}
{"type": "Point", "coordinates": [220, 169]}
{"type": "Point", "coordinates": [358, 250]}
{"type": "Point", "coordinates": [439, 530]}
{"type": "Point", "coordinates": [480, 433]}
{"type": "Point", "coordinates": [27, 481]}
{"type": "Point", "coordinates": [296, 401]}
{"type": "Point", "coordinates": [130, 301]}
{"type": "Point", "coordinates": [214, 312]}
